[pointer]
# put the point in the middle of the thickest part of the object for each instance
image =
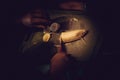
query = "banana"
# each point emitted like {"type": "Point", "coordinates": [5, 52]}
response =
{"type": "Point", "coordinates": [46, 37]}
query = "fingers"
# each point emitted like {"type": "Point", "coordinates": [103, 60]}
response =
{"type": "Point", "coordinates": [35, 18]}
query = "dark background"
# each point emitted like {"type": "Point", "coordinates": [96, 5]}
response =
{"type": "Point", "coordinates": [105, 13]}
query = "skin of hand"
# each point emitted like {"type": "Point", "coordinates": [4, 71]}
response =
{"type": "Point", "coordinates": [36, 18]}
{"type": "Point", "coordinates": [72, 5]}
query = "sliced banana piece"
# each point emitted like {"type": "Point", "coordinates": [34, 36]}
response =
{"type": "Point", "coordinates": [54, 27]}
{"type": "Point", "coordinates": [46, 37]}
